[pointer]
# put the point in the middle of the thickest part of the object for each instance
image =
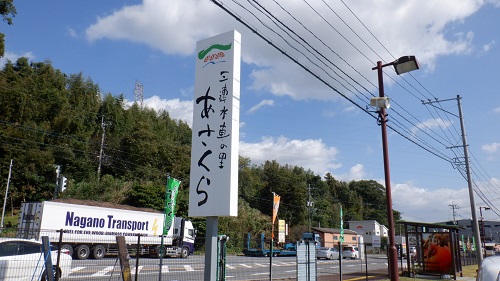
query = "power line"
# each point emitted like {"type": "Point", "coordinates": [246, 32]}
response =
{"type": "Point", "coordinates": [435, 138]}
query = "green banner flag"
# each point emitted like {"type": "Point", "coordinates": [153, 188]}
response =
{"type": "Point", "coordinates": [170, 199]}
{"type": "Point", "coordinates": [341, 225]}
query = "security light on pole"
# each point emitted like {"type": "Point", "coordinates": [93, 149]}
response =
{"type": "Point", "coordinates": [401, 65]}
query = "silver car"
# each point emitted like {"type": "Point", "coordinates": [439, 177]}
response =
{"type": "Point", "coordinates": [327, 253]}
{"type": "Point", "coordinates": [22, 259]}
{"type": "Point", "coordinates": [489, 269]}
{"type": "Point", "coordinates": [350, 252]}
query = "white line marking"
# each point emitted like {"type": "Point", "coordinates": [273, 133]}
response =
{"type": "Point", "coordinates": [139, 269]}
{"type": "Point", "coordinates": [103, 271]}
{"type": "Point", "coordinates": [75, 269]}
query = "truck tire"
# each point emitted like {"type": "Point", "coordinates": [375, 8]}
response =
{"type": "Point", "coordinates": [68, 248]}
{"type": "Point", "coordinates": [98, 252]}
{"type": "Point", "coordinates": [184, 252]}
{"type": "Point", "coordinates": [82, 252]}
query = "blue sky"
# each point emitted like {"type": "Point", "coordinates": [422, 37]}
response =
{"type": "Point", "coordinates": [287, 114]}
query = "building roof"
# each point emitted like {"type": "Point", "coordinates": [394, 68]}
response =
{"type": "Point", "coordinates": [432, 225]}
{"type": "Point", "coordinates": [333, 230]}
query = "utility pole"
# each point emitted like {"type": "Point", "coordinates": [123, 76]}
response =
{"type": "Point", "coordinates": [475, 223]}
{"type": "Point", "coordinates": [309, 206]}
{"type": "Point", "coordinates": [453, 207]}
{"type": "Point", "coordinates": [6, 193]}
{"type": "Point", "coordinates": [103, 126]}
{"type": "Point", "coordinates": [58, 174]}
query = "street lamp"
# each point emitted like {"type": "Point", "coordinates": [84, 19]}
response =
{"type": "Point", "coordinates": [401, 65]}
{"type": "Point", "coordinates": [482, 223]}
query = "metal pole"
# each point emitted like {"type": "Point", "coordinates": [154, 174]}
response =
{"type": "Point", "coordinates": [340, 260]}
{"type": "Point", "coordinates": [211, 236]}
{"type": "Point", "coordinates": [479, 251]}
{"type": "Point", "coordinates": [138, 249]}
{"type": "Point", "coordinates": [6, 193]}
{"type": "Point", "coordinates": [309, 203]}
{"type": "Point", "coordinates": [482, 225]}
{"type": "Point", "coordinates": [271, 254]}
{"type": "Point", "coordinates": [393, 255]}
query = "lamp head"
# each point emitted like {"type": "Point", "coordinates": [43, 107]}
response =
{"type": "Point", "coordinates": [380, 102]}
{"type": "Point", "coordinates": [406, 64]}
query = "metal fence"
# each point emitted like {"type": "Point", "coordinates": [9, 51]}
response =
{"type": "Point", "coordinates": [233, 264]}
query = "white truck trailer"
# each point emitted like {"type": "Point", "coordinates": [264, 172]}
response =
{"type": "Point", "coordinates": [89, 230]}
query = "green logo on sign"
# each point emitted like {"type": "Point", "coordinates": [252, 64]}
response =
{"type": "Point", "coordinates": [203, 53]}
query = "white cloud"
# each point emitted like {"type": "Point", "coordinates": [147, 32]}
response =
{"type": "Point", "coordinates": [8, 56]}
{"type": "Point", "coordinates": [71, 32]}
{"type": "Point", "coordinates": [175, 26]}
{"type": "Point", "coordinates": [171, 26]}
{"type": "Point", "coordinates": [495, 3]}
{"type": "Point", "coordinates": [309, 154]}
{"type": "Point", "coordinates": [491, 148]}
{"type": "Point", "coordinates": [177, 109]}
{"type": "Point", "coordinates": [431, 124]}
{"type": "Point", "coordinates": [356, 172]}
{"type": "Point", "coordinates": [424, 205]}
{"type": "Point", "coordinates": [488, 46]}
{"type": "Point", "coordinates": [260, 105]}
{"type": "Point", "coordinates": [497, 110]}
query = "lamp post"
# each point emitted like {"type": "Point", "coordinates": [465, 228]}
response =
{"type": "Point", "coordinates": [482, 224]}
{"type": "Point", "coordinates": [401, 65]}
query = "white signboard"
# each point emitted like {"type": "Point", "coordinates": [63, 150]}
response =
{"type": "Point", "coordinates": [214, 151]}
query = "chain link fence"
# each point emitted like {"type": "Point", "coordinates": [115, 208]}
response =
{"type": "Point", "coordinates": [239, 258]}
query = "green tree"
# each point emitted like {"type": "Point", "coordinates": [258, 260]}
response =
{"type": "Point", "coordinates": [8, 11]}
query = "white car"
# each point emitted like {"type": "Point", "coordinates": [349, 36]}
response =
{"type": "Point", "coordinates": [22, 259]}
{"type": "Point", "coordinates": [489, 269]}
{"type": "Point", "coordinates": [350, 252]}
{"type": "Point", "coordinates": [327, 253]}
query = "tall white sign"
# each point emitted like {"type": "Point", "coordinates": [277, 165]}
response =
{"type": "Point", "coordinates": [216, 118]}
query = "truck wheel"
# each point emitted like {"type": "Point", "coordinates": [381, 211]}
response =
{"type": "Point", "coordinates": [98, 252]}
{"type": "Point", "coordinates": [275, 254]}
{"type": "Point", "coordinates": [82, 252]}
{"type": "Point", "coordinates": [69, 248]}
{"type": "Point", "coordinates": [184, 253]}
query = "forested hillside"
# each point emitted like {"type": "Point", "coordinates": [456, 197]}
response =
{"type": "Point", "coordinates": [51, 118]}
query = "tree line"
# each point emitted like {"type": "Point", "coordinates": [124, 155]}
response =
{"type": "Point", "coordinates": [51, 118]}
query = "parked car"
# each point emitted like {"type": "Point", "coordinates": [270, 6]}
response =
{"type": "Point", "coordinates": [489, 269]}
{"type": "Point", "coordinates": [22, 259]}
{"type": "Point", "coordinates": [327, 253]}
{"type": "Point", "coordinates": [350, 252]}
